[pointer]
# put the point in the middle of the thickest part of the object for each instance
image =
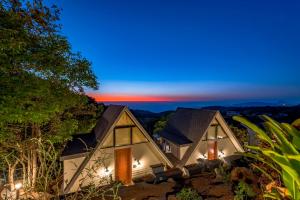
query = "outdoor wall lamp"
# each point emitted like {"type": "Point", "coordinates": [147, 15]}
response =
{"type": "Point", "coordinates": [137, 163]}
{"type": "Point", "coordinates": [221, 154]}
{"type": "Point", "coordinates": [203, 156]}
{"type": "Point", "coordinates": [106, 171]}
{"type": "Point", "coordinates": [18, 186]}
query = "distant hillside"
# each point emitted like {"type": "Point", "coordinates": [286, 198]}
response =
{"type": "Point", "coordinates": [147, 118]}
{"type": "Point", "coordinates": [280, 113]}
{"type": "Point", "coordinates": [260, 104]}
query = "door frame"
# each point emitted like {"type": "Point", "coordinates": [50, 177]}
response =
{"type": "Point", "coordinates": [129, 163]}
{"type": "Point", "coordinates": [212, 144]}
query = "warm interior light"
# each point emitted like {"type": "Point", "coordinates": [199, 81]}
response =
{"type": "Point", "coordinates": [18, 186]}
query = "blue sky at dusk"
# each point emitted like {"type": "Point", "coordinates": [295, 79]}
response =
{"type": "Point", "coordinates": [188, 50]}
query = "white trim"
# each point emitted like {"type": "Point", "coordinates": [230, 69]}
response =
{"type": "Point", "coordinates": [229, 132]}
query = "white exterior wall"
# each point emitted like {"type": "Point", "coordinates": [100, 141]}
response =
{"type": "Point", "coordinates": [225, 145]}
{"type": "Point", "coordinates": [147, 157]}
{"type": "Point", "coordinates": [176, 150]}
{"type": "Point", "coordinates": [70, 167]}
{"type": "Point", "coordinates": [143, 152]}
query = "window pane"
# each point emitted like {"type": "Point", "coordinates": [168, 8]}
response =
{"type": "Point", "coordinates": [122, 136]}
{"type": "Point", "coordinates": [211, 133]}
{"type": "Point", "coordinates": [221, 133]}
{"type": "Point", "coordinates": [137, 136]}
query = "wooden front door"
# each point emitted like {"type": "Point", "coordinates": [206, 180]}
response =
{"type": "Point", "coordinates": [212, 150]}
{"type": "Point", "coordinates": [123, 165]}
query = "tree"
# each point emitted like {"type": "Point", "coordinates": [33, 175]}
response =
{"type": "Point", "coordinates": [41, 81]}
{"type": "Point", "coordinates": [160, 124]}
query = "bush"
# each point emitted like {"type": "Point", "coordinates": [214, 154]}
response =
{"type": "Point", "coordinates": [280, 152]}
{"type": "Point", "coordinates": [244, 191]}
{"type": "Point", "coordinates": [188, 194]}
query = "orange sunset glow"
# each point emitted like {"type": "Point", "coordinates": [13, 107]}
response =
{"type": "Point", "coordinates": [128, 98]}
{"type": "Point", "coordinates": [143, 98]}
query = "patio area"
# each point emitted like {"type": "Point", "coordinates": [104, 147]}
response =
{"type": "Point", "coordinates": [203, 183]}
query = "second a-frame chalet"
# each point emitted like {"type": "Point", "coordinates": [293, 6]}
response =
{"type": "Point", "coordinates": [193, 135]}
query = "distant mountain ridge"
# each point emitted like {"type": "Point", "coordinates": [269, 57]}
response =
{"type": "Point", "coordinates": [258, 104]}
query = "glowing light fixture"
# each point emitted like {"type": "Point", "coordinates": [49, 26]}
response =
{"type": "Point", "coordinates": [137, 163]}
{"type": "Point", "coordinates": [221, 154]}
{"type": "Point", "coordinates": [106, 171]}
{"type": "Point", "coordinates": [18, 186]}
{"type": "Point", "coordinates": [203, 156]}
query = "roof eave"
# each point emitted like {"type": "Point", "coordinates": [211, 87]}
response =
{"type": "Point", "coordinates": [73, 156]}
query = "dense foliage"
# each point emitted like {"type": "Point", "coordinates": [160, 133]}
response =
{"type": "Point", "coordinates": [281, 152]}
{"type": "Point", "coordinates": [42, 81]}
{"type": "Point", "coordinates": [160, 124]}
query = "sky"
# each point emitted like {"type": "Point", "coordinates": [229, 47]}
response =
{"type": "Point", "coordinates": [169, 50]}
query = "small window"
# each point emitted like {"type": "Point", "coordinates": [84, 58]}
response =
{"type": "Point", "coordinates": [122, 136]}
{"type": "Point", "coordinates": [221, 132]}
{"type": "Point", "coordinates": [212, 132]}
{"type": "Point", "coordinates": [167, 148]}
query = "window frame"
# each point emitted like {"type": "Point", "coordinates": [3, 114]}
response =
{"type": "Point", "coordinates": [217, 126]}
{"type": "Point", "coordinates": [131, 136]}
{"type": "Point", "coordinates": [122, 127]}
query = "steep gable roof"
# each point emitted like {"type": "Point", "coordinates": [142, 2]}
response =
{"type": "Point", "coordinates": [107, 121]}
{"type": "Point", "coordinates": [108, 118]}
{"type": "Point", "coordinates": [83, 143]}
{"type": "Point", "coordinates": [191, 125]}
{"type": "Point", "coordinates": [188, 125]}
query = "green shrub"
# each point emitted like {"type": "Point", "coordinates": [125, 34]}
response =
{"type": "Point", "coordinates": [243, 191]}
{"type": "Point", "coordinates": [280, 152]}
{"type": "Point", "coordinates": [188, 194]}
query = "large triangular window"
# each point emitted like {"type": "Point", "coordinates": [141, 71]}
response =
{"type": "Point", "coordinates": [138, 136]}
{"type": "Point", "coordinates": [215, 131]}
{"type": "Point", "coordinates": [125, 133]}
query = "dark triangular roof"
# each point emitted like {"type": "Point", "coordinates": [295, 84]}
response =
{"type": "Point", "coordinates": [105, 123]}
{"type": "Point", "coordinates": [188, 125]}
{"type": "Point", "coordinates": [82, 143]}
